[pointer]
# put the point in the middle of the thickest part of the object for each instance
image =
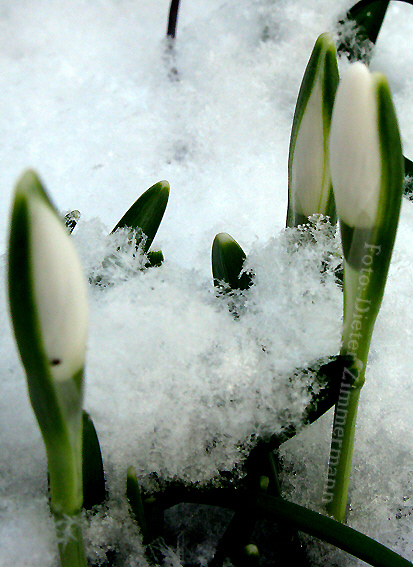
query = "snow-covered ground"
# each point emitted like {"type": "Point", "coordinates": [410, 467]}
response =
{"type": "Point", "coordinates": [88, 101]}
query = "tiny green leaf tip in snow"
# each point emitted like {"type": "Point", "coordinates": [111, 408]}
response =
{"type": "Point", "coordinates": [146, 213]}
{"type": "Point", "coordinates": [227, 264]}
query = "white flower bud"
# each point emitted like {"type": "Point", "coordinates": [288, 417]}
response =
{"type": "Point", "coordinates": [355, 154]}
{"type": "Point", "coordinates": [48, 296]}
{"type": "Point", "coordinates": [59, 291]}
{"type": "Point", "coordinates": [309, 183]}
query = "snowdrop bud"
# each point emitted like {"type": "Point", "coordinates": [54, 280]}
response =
{"type": "Point", "coordinates": [309, 184]}
{"type": "Point", "coordinates": [365, 149]}
{"type": "Point", "coordinates": [47, 290]}
{"type": "Point", "coordinates": [367, 171]}
{"type": "Point", "coordinates": [355, 148]}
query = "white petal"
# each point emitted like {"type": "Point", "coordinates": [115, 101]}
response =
{"type": "Point", "coordinates": [307, 173]}
{"type": "Point", "coordinates": [59, 290]}
{"type": "Point", "coordinates": [355, 160]}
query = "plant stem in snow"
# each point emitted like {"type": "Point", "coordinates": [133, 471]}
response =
{"type": "Point", "coordinates": [366, 163]}
{"type": "Point", "coordinates": [70, 541]}
{"type": "Point", "coordinates": [48, 306]}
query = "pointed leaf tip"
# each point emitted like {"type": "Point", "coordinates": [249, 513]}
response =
{"type": "Point", "coordinates": [227, 263]}
{"type": "Point", "coordinates": [146, 213]}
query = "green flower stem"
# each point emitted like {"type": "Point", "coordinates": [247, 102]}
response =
{"type": "Point", "coordinates": [341, 452]}
{"type": "Point", "coordinates": [365, 270]}
{"type": "Point", "coordinates": [360, 312]}
{"type": "Point", "coordinates": [367, 171]}
{"type": "Point", "coordinates": [64, 460]}
{"type": "Point", "coordinates": [172, 20]}
{"type": "Point", "coordinates": [70, 541]}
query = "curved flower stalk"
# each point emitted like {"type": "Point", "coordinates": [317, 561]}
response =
{"type": "Point", "coordinates": [367, 172]}
{"type": "Point", "coordinates": [309, 183]}
{"type": "Point", "coordinates": [48, 306]}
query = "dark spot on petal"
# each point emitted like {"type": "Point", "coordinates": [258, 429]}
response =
{"type": "Point", "coordinates": [55, 361]}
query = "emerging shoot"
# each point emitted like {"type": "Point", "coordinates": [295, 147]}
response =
{"type": "Point", "coordinates": [48, 306]}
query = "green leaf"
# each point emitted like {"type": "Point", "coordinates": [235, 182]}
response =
{"type": "Point", "coordinates": [324, 395]}
{"type": "Point", "coordinates": [408, 167]}
{"type": "Point", "coordinates": [134, 496]}
{"type": "Point", "coordinates": [367, 17]}
{"type": "Point", "coordinates": [227, 263]}
{"type": "Point", "coordinates": [94, 491]}
{"type": "Point", "coordinates": [329, 530]}
{"type": "Point", "coordinates": [303, 519]}
{"type": "Point", "coordinates": [146, 213]}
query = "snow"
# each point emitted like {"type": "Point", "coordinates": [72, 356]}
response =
{"type": "Point", "coordinates": [88, 101]}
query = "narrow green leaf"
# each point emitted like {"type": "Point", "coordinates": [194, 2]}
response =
{"type": "Point", "coordinates": [329, 530]}
{"type": "Point", "coordinates": [133, 494]}
{"type": "Point", "coordinates": [408, 167]}
{"type": "Point", "coordinates": [324, 395]}
{"type": "Point", "coordinates": [227, 263]}
{"type": "Point", "coordinates": [94, 491]}
{"type": "Point", "coordinates": [147, 212]}
{"type": "Point", "coordinates": [303, 519]}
